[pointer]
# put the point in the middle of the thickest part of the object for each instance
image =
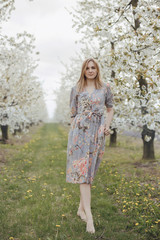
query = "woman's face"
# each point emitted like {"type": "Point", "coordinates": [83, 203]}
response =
{"type": "Point", "coordinates": [91, 71]}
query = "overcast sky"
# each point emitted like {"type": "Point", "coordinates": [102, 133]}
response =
{"type": "Point", "coordinates": [51, 25]}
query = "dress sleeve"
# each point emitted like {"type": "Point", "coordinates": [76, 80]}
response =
{"type": "Point", "coordinates": [73, 103]}
{"type": "Point", "coordinates": [108, 97]}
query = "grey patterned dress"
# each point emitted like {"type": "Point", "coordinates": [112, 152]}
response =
{"type": "Point", "coordinates": [86, 139]}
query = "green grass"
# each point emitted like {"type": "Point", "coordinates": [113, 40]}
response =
{"type": "Point", "coordinates": [37, 203]}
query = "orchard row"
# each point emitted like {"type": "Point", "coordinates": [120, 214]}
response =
{"type": "Point", "coordinates": [21, 94]}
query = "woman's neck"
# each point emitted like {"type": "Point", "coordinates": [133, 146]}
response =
{"type": "Point", "coordinates": [90, 83]}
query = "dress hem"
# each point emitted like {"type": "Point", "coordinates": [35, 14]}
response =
{"type": "Point", "coordinates": [79, 182]}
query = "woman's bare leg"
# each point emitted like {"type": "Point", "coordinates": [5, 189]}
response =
{"type": "Point", "coordinates": [81, 211]}
{"type": "Point", "coordinates": [85, 190]}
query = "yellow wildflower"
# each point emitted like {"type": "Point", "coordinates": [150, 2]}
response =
{"type": "Point", "coordinates": [29, 190]}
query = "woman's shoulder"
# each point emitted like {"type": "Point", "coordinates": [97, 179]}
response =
{"type": "Point", "coordinates": [107, 87]}
{"type": "Point", "coordinates": [74, 89]}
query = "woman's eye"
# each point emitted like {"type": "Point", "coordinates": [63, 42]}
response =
{"type": "Point", "coordinates": [87, 68]}
{"type": "Point", "coordinates": [93, 67]}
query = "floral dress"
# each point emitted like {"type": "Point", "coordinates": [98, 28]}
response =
{"type": "Point", "coordinates": [86, 138]}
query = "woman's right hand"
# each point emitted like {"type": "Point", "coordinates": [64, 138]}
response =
{"type": "Point", "coordinates": [106, 130]}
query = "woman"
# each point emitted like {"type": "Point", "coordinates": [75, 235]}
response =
{"type": "Point", "coordinates": [86, 139]}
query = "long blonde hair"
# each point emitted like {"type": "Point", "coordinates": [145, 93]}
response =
{"type": "Point", "coordinates": [82, 82]}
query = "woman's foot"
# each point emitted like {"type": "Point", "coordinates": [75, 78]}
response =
{"type": "Point", "coordinates": [82, 214]}
{"type": "Point", "coordinates": [90, 226]}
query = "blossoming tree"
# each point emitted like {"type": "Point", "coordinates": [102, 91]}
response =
{"type": "Point", "coordinates": [131, 30]}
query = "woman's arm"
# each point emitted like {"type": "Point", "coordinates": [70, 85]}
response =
{"type": "Point", "coordinates": [110, 112]}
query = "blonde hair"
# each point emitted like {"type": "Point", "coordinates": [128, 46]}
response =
{"type": "Point", "coordinates": [82, 82]}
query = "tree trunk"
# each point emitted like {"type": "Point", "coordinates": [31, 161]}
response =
{"type": "Point", "coordinates": [148, 146]}
{"type": "Point", "coordinates": [15, 132]}
{"type": "Point", "coordinates": [4, 130]}
{"type": "Point", "coordinates": [113, 138]}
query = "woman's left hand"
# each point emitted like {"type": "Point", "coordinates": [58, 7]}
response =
{"type": "Point", "coordinates": [106, 130]}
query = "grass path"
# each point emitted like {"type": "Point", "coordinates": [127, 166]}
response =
{"type": "Point", "coordinates": [37, 203]}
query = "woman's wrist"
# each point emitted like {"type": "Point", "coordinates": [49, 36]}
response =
{"type": "Point", "coordinates": [107, 125]}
